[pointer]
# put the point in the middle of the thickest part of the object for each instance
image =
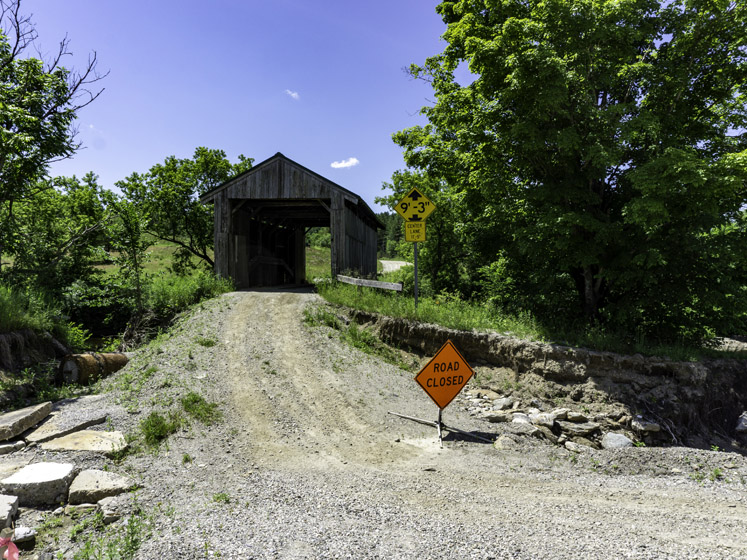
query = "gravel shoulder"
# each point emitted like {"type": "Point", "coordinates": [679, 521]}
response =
{"type": "Point", "coordinates": [308, 463]}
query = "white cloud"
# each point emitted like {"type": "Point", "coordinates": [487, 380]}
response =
{"type": "Point", "coordinates": [350, 162]}
{"type": "Point", "coordinates": [293, 94]}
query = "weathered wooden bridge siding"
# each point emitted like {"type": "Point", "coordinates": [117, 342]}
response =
{"type": "Point", "coordinates": [261, 217]}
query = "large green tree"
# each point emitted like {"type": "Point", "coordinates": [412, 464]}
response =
{"type": "Point", "coordinates": [60, 234]}
{"type": "Point", "coordinates": [38, 104]}
{"type": "Point", "coordinates": [168, 196]}
{"type": "Point", "coordinates": [598, 148]}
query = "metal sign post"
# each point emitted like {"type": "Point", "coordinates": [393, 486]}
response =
{"type": "Point", "coordinates": [414, 208]}
{"type": "Point", "coordinates": [416, 276]}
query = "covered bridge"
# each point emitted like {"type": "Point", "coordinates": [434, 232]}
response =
{"type": "Point", "coordinates": [263, 214]}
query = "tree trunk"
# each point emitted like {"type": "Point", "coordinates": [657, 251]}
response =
{"type": "Point", "coordinates": [593, 287]}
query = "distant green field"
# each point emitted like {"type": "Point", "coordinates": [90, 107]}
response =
{"type": "Point", "coordinates": [318, 264]}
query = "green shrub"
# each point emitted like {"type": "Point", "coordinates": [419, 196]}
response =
{"type": "Point", "coordinates": [104, 304]}
{"type": "Point", "coordinates": [25, 310]}
{"type": "Point", "coordinates": [156, 427]}
{"type": "Point", "coordinates": [206, 342]}
{"type": "Point", "coordinates": [319, 237]}
{"type": "Point", "coordinates": [197, 407]}
{"type": "Point", "coordinates": [168, 295]}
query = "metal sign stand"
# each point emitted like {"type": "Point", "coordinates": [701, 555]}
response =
{"type": "Point", "coordinates": [440, 426]}
{"type": "Point", "coordinates": [416, 276]}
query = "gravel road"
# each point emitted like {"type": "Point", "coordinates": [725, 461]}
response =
{"type": "Point", "coordinates": [391, 266]}
{"type": "Point", "coordinates": [308, 464]}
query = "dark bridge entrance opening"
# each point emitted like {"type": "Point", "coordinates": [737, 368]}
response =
{"type": "Point", "coordinates": [269, 239]}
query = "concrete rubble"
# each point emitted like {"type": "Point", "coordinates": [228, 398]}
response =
{"type": "Point", "coordinates": [61, 426]}
{"type": "Point", "coordinates": [88, 440]}
{"type": "Point", "coordinates": [575, 430]}
{"type": "Point", "coordinates": [66, 417]}
{"type": "Point", "coordinates": [40, 483]}
{"type": "Point", "coordinates": [93, 485]}
{"type": "Point", "coordinates": [15, 423]}
{"type": "Point", "coordinates": [8, 509]}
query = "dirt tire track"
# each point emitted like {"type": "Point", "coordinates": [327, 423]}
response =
{"type": "Point", "coordinates": [309, 407]}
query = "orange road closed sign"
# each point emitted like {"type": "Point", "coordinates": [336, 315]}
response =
{"type": "Point", "coordinates": [445, 375]}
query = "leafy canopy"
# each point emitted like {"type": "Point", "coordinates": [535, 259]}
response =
{"type": "Point", "coordinates": [38, 104]}
{"type": "Point", "coordinates": [168, 196]}
{"type": "Point", "coordinates": [598, 150]}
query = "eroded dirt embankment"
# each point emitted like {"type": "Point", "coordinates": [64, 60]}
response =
{"type": "Point", "coordinates": [23, 348]}
{"type": "Point", "coordinates": [697, 400]}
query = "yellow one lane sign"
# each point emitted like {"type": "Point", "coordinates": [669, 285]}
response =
{"type": "Point", "coordinates": [415, 207]}
{"type": "Point", "coordinates": [445, 375]}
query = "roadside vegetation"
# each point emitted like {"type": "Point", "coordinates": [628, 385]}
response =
{"type": "Point", "coordinates": [450, 311]}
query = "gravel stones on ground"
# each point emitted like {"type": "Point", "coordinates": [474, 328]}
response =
{"type": "Point", "coordinates": [308, 463]}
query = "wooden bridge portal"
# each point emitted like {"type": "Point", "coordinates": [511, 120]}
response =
{"type": "Point", "coordinates": [262, 216]}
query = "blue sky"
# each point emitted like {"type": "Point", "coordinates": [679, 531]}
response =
{"type": "Point", "coordinates": [321, 81]}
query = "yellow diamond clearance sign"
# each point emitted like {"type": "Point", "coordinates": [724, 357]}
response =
{"type": "Point", "coordinates": [445, 375]}
{"type": "Point", "coordinates": [415, 206]}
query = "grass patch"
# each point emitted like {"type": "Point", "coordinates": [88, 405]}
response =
{"type": "Point", "coordinates": [321, 316]}
{"type": "Point", "coordinates": [318, 263]}
{"type": "Point", "coordinates": [442, 310]}
{"type": "Point", "coordinates": [156, 428]}
{"type": "Point", "coordinates": [117, 542]}
{"type": "Point", "coordinates": [358, 337]}
{"type": "Point", "coordinates": [199, 409]}
{"type": "Point", "coordinates": [168, 294]}
{"type": "Point", "coordinates": [206, 342]}
{"type": "Point", "coordinates": [451, 312]}
{"type": "Point", "coordinates": [160, 257]}
{"type": "Point", "coordinates": [222, 498]}
{"type": "Point", "coordinates": [23, 311]}
{"type": "Point", "coordinates": [30, 310]}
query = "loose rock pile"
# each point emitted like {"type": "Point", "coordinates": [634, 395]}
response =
{"type": "Point", "coordinates": [695, 402]}
{"type": "Point", "coordinates": [42, 484]}
{"type": "Point", "coordinates": [561, 426]}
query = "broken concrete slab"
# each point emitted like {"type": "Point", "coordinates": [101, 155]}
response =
{"type": "Point", "coordinates": [88, 440]}
{"type": "Point", "coordinates": [8, 509]}
{"type": "Point", "coordinates": [93, 485]}
{"type": "Point", "coordinates": [11, 446]}
{"type": "Point", "coordinates": [40, 483]}
{"type": "Point", "coordinates": [23, 535]}
{"type": "Point", "coordinates": [11, 466]}
{"type": "Point", "coordinates": [15, 423]}
{"type": "Point", "coordinates": [60, 424]}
